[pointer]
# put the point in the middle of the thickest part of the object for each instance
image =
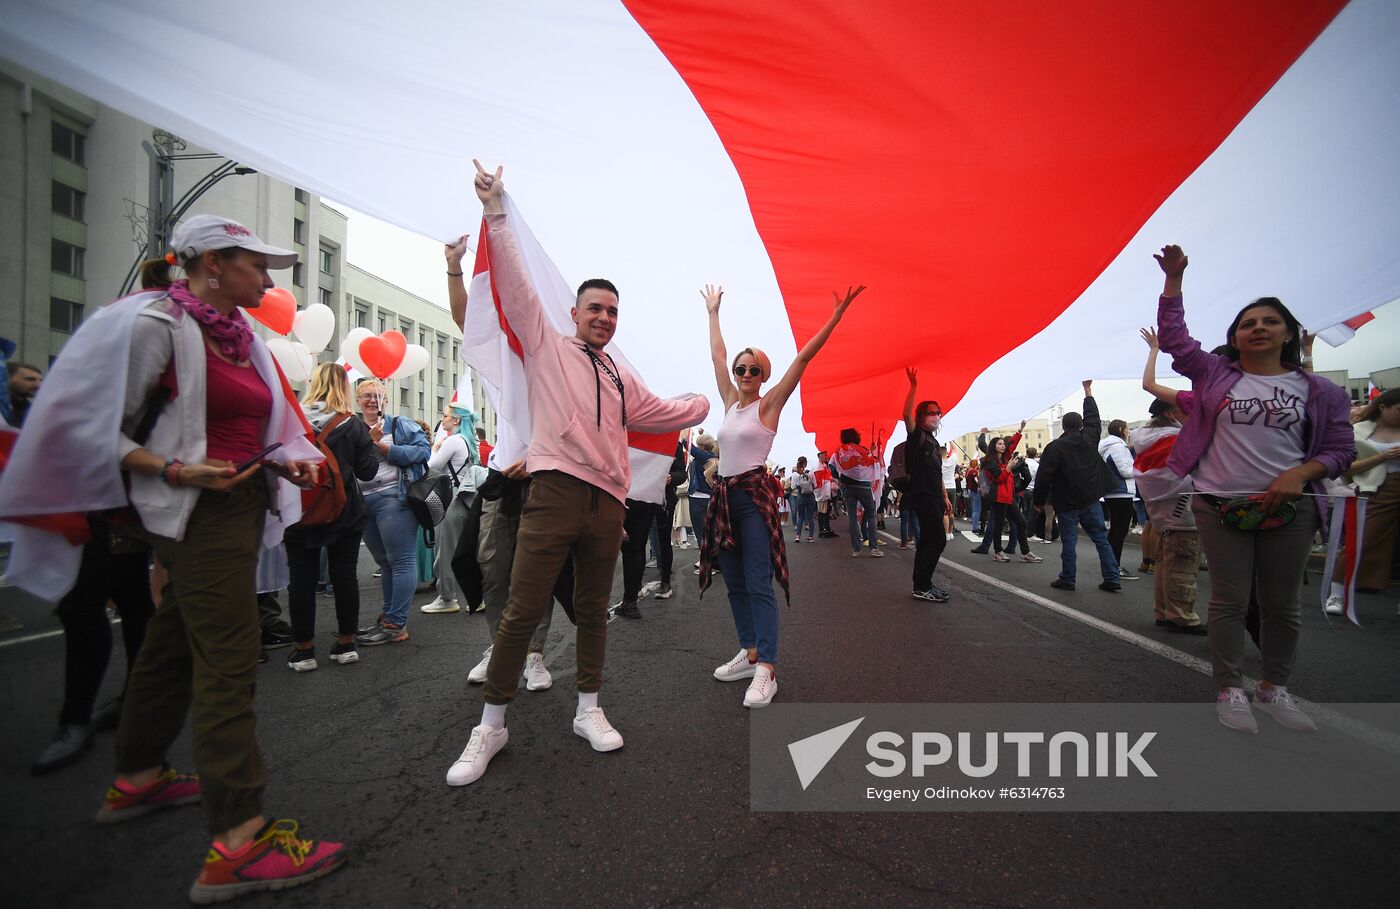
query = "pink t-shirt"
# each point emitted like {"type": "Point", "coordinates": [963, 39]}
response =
{"type": "Point", "coordinates": [237, 405]}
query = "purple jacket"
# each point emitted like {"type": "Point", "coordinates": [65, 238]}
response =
{"type": "Point", "coordinates": [1327, 433]}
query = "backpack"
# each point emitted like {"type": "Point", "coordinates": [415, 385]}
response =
{"type": "Point", "coordinates": [898, 474]}
{"type": "Point", "coordinates": [430, 496]}
{"type": "Point", "coordinates": [325, 502]}
{"type": "Point", "coordinates": [984, 485]}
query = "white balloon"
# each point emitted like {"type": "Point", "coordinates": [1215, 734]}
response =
{"type": "Point", "coordinates": [314, 326]}
{"type": "Point", "coordinates": [296, 361]}
{"type": "Point", "coordinates": [415, 358]}
{"type": "Point", "coordinates": [350, 348]}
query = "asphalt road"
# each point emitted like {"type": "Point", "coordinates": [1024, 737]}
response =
{"type": "Point", "coordinates": [358, 753]}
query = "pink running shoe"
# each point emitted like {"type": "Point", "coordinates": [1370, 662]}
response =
{"type": "Point", "coordinates": [275, 859]}
{"type": "Point", "coordinates": [125, 802]}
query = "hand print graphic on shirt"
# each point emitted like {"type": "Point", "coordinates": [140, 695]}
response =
{"type": "Point", "coordinates": [1246, 411]}
{"type": "Point", "coordinates": [1282, 411]}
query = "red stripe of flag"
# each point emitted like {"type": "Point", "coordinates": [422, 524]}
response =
{"type": "Point", "coordinates": [483, 264]}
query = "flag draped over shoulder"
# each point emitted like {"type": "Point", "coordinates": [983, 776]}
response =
{"type": "Point", "coordinates": [490, 347]}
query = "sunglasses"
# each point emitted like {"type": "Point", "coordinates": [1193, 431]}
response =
{"type": "Point", "coordinates": [754, 371]}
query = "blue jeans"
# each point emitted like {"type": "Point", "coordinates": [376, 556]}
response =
{"type": "Point", "coordinates": [860, 496]}
{"type": "Point", "coordinates": [392, 538]}
{"type": "Point", "coordinates": [805, 514]}
{"type": "Point", "coordinates": [748, 573]}
{"type": "Point", "coordinates": [1090, 517]}
{"type": "Point", "coordinates": [908, 523]}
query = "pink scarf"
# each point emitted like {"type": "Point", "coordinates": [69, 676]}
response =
{"type": "Point", "coordinates": [231, 333]}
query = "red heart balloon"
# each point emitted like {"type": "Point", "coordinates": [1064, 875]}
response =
{"type": "Point", "coordinates": [383, 353]}
{"type": "Point", "coordinates": [277, 310]}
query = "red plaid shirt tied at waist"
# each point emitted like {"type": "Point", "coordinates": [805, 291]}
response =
{"type": "Point", "coordinates": [719, 533]}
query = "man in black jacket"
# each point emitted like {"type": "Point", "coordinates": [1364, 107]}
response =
{"type": "Point", "coordinates": [1072, 477]}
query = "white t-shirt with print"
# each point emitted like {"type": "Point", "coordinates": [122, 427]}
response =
{"type": "Point", "coordinates": [1258, 435]}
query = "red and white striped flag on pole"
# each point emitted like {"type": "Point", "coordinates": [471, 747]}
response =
{"type": "Point", "coordinates": [1349, 515]}
{"type": "Point", "coordinates": [1342, 332]}
{"type": "Point", "coordinates": [490, 347]}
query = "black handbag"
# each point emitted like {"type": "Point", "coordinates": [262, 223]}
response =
{"type": "Point", "coordinates": [430, 496]}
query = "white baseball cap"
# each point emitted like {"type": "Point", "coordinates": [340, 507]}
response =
{"type": "Point", "coordinates": [196, 236]}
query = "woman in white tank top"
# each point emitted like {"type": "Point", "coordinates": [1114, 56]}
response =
{"type": "Point", "coordinates": [741, 526]}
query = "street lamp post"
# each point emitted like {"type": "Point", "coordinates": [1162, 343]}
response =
{"type": "Point", "coordinates": [169, 211]}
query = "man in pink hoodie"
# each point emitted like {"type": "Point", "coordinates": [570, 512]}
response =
{"type": "Point", "coordinates": [582, 404]}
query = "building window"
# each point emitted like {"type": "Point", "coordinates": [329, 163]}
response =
{"type": "Point", "coordinates": [455, 353]}
{"type": "Point", "coordinates": [420, 401]}
{"type": "Point", "coordinates": [442, 378]}
{"type": "Point", "coordinates": [299, 231]}
{"type": "Point", "coordinates": [362, 317]}
{"type": "Point", "coordinates": [68, 201]}
{"type": "Point", "coordinates": [67, 259]}
{"type": "Point", "coordinates": [442, 346]}
{"type": "Point", "coordinates": [403, 397]}
{"type": "Point", "coordinates": [440, 403]}
{"type": "Point", "coordinates": [326, 297]}
{"type": "Point", "coordinates": [327, 261]}
{"type": "Point", "coordinates": [422, 339]}
{"type": "Point", "coordinates": [406, 326]}
{"type": "Point", "coordinates": [64, 315]}
{"type": "Point", "coordinates": [298, 275]}
{"type": "Point", "coordinates": [382, 323]}
{"type": "Point", "coordinates": [301, 196]}
{"type": "Point", "coordinates": [70, 144]}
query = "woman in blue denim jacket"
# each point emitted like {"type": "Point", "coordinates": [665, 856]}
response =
{"type": "Point", "coordinates": [391, 534]}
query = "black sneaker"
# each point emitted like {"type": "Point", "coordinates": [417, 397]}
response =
{"type": "Point", "coordinates": [299, 660]}
{"type": "Point", "coordinates": [345, 654]}
{"type": "Point", "coordinates": [378, 573]}
{"type": "Point", "coordinates": [629, 611]}
{"type": "Point", "coordinates": [664, 593]}
{"type": "Point", "coordinates": [933, 595]}
{"type": "Point", "coordinates": [1062, 585]}
{"type": "Point", "coordinates": [273, 638]}
{"type": "Point", "coordinates": [1186, 629]}
{"type": "Point", "coordinates": [1110, 586]}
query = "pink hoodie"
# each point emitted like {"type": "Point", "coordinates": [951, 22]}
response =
{"type": "Point", "coordinates": [575, 408]}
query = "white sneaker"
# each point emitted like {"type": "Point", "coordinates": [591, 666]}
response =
{"type": "Point", "coordinates": [1334, 606]}
{"type": "Point", "coordinates": [1031, 557]}
{"type": "Point", "coordinates": [594, 726]}
{"type": "Point", "coordinates": [537, 678]}
{"type": "Point", "coordinates": [1280, 705]}
{"type": "Point", "coordinates": [1232, 709]}
{"type": "Point", "coordinates": [478, 674]}
{"type": "Point", "coordinates": [736, 669]}
{"type": "Point", "coordinates": [481, 747]}
{"type": "Point", "coordinates": [761, 689]}
{"type": "Point", "coordinates": [440, 605]}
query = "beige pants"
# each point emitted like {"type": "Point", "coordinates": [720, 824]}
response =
{"type": "Point", "coordinates": [1174, 577]}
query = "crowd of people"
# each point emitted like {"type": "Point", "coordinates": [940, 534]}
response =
{"type": "Point", "coordinates": [236, 488]}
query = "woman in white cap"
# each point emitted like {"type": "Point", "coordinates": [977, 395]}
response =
{"type": "Point", "coordinates": [741, 529]}
{"type": "Point", "coordinates": [167, 401]}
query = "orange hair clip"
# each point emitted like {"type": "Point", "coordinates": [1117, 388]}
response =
{"type": "Point", "coordinates": [170, 257]}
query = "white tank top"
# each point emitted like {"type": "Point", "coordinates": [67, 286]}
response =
{"type": "Point", "coordinates": [744, 442]}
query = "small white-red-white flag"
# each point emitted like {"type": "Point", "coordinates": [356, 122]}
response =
{"type": "Point", "coordinates": [1342, 332]}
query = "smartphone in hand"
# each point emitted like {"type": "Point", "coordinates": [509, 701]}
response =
{"type": "Point", "coordinates": [257, 457]}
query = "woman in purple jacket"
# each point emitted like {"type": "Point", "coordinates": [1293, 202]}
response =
{"type": "Point", "coordinates": [1262, 428]}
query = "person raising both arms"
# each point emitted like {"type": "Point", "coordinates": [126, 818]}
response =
{"type": "Point", "coordinates": [741, 527]}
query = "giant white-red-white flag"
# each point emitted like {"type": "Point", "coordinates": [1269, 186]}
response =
{"type": "Point", "coordinates": [490, 347]}
{"type": "Point", "coordinates": [1342, 332]}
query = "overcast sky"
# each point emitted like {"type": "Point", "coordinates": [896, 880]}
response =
{"type": "Point", "coordinates": [415, 263]}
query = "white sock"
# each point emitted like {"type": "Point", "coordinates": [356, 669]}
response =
{"type": "Point", "coordinates": [1337, 590]}
{"type": "Point", "coordinates": [494, 715]}
{"type": "Point", "coordinates": [587, 700]}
